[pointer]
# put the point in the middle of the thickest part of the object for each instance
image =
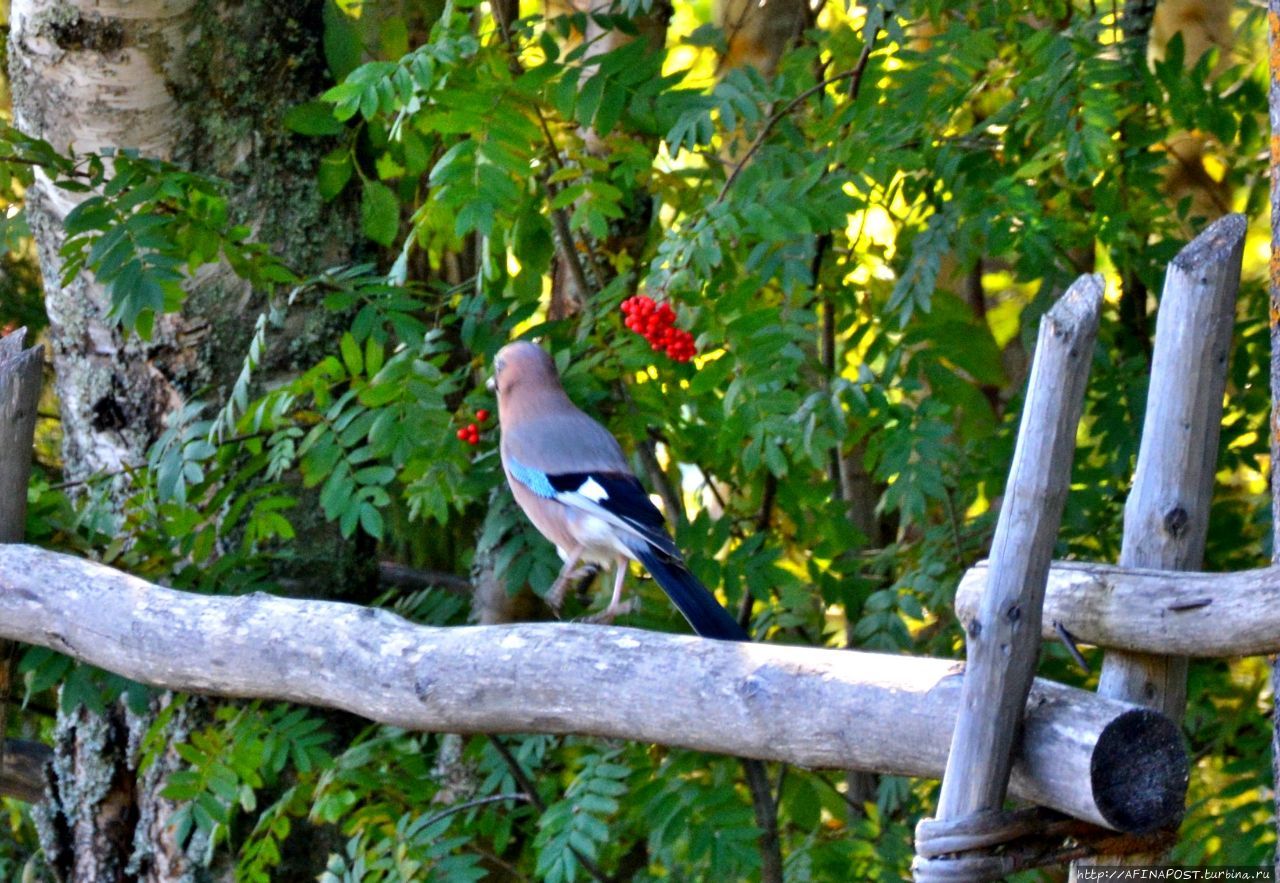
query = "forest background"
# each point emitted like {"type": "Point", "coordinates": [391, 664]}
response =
{"type": "Point", "coordinates": [277, 264]}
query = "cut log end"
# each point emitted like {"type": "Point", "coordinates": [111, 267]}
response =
{"type": "Point", "coordinates": [1139, 772]}
{"type": "Point", "coordinates": [1078, 307]}
{"type": "Point", "coordinates": [1218, 243]}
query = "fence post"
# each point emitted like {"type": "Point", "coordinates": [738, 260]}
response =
{"type": "Point", "coordinates": [1003, 640]}
{"type": "Point", "coordinates": [21, 763]}
{"type": "Point", "coordinates": [1166, 517]}
{"type": "Point", "coordinates": [19, 396]}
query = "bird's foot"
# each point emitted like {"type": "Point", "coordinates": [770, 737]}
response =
{"type": "Point", "coordinates": [559, 588]}
{"type": "Point", "coordinates": [555, 595]}
{"type": "Point", "coordinates": [613, 611]}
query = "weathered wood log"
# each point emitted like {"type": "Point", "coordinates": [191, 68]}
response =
{"type": "Point", "coordinates": [19, 397]}
{"type": "Point", "coordinates": [21, 773]}
{"type": "Point", "coordinates": [1003, 639]}
{"type": "Point", "coordinates": [1163, 612]}
{"type": "Point", "coordinates": [1107, 762]}
{"type": "Point", "coordinates": [1167, 514]}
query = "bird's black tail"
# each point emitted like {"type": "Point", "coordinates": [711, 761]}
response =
{"type": "Point", "coordinates": [692, 598]}
{"type": "Point", "coordinates": [710, 620]}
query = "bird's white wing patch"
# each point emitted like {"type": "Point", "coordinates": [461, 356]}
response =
{"type": "Point", "coordinates": [593, 491]}
{"type": "Point", "coordinates": [601, 541]}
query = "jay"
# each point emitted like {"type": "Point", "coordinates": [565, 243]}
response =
{"type": "Point", "coordinates": [571, 479]}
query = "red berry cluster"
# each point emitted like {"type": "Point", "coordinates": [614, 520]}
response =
{"type": "Point", "coordinates": [471, 432]}
{"type": "Point", "coordinates": [656, 323]}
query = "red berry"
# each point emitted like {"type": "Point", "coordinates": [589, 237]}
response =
{"type": "Point", "coordinates": [656, 323]}
{"type": "Point", "coordinates": [462, 434]}
{"type": "Point", "coordinates": [482, 415]}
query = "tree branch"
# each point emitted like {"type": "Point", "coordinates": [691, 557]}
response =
{"type": "Point", "coordinates": [402, 576]}
{"type": "Point", "coordinates": [810, 706]}
{"type": "Point", "coordinates": [854, 74]}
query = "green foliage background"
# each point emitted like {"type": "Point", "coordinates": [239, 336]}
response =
{"type": "Point", "coordinates": [1006, 145]}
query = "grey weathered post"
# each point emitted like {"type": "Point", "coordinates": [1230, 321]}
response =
{"type": "Point", "coordinates": [19, 396]}
{"type": "Point", "coordinates": [20, 762]}
{"type": "Point", "coordinates": [1003, 639]}
{"type": "Point", "coordinates": [1166, 516]}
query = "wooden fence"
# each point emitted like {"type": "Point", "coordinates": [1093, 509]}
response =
{"type": "Point", "coordinates": [1111, 766]}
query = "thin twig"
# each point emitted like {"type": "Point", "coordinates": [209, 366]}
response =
{"type": "Point", "coordinates": [670, 498]}
{"type": "Point", "coordinates": [8, 657]}
{"type": "Point", "coordinates": [559, 220]}
{"type": "Point", "coordinates": [402, 576]}
{"type": "Point", "coordinates": [125, 469]}
{"type": "Point", "coordinates": [472, 804]}
{"type": "Point", "coordinates": [955, 527]}
{"type": "Point", "coordinates": [526, 784]}
{"type": "Point", "coordinates": [852, 805]}
{"type": "Point", "coordinates": [762, 524]}
{"type": "Point", "coordinates": [711, 486]}
{"type": "Point", "coordinates": [855, 74]}
{"type": "Point", "coordinates": [766, 811]}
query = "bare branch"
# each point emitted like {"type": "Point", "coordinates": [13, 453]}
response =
{"type": "Point", "coordinates": [854, 74]}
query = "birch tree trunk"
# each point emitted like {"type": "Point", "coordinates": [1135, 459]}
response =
{"type": "Point", "coordinates": [206, 85]}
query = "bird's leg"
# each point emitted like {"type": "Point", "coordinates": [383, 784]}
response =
{"type": "Point", "coordinates": [616, 607]}
{"type": "Point", "coordinates": [555, 594]}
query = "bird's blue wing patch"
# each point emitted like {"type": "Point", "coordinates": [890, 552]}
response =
{"type": "Point", "coordinates": [534, 479]}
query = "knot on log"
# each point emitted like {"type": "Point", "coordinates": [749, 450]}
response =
{"type": "Point", "coordinates": [992, 845]}
{"type": "Point", "coordinates": [1176, 521]}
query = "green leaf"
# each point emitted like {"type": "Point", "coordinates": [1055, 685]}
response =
{"type": "Point", "coordinates": [312, 118]}
{"type": "Point", "coordinates": [351, 356]}
{"type": "Point", "coordinates": [379, 213]}
{"type": "Point", "coordinates": [371, 520]}
{"type": "Point", "coordinates": [342, 46]}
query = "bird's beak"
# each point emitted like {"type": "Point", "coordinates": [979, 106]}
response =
{"type": "Point", "coordinates": [491, 384]}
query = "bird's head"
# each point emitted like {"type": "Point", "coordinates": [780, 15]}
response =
{"type": "Point", "coordinates": [522, 369]}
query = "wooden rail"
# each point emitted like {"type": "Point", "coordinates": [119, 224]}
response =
{"type": "Point", "coordinates": [803, 705]}
{"type": "Point", "coordinates": [1161, 612]}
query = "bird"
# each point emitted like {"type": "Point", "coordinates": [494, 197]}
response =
{"type": "Point", "coordinates": [569, 475]}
